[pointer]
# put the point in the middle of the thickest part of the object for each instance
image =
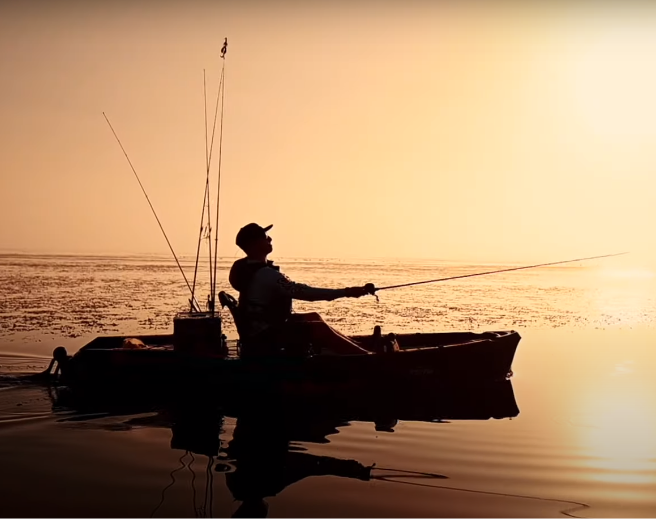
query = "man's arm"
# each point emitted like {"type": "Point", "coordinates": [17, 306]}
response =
{"type": "Point", "coordinates": [303, 292]}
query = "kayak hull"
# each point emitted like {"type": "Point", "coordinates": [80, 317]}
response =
{"type": "Point", "coordinates": [423, 359]}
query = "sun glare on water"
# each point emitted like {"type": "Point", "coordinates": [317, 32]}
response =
{"type": "Point", "coordinates": [635, 273]}
{"type": "Point", "coordinates": [619, 436]}
{"type": "Point", "coordinates": [623, 295]}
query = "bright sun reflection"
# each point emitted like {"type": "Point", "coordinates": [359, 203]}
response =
{"type": "Point", "coordinates": [627, 273]}
{"type": "Point", "coordinates": [620, 437]}
{"type": "Point", "coordinates": [623, 295]}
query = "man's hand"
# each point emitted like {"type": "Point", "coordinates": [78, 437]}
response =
{"type": "Point", "coordinates": [369, 288]}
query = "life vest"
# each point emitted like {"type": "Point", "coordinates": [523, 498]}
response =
{"type": "Point", "coordinates": [241, 277]}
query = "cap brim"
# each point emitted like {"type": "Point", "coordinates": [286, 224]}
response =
{"type": "Point", "coordinates": [265, 229]}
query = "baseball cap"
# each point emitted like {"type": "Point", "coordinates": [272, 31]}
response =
{"type": "Point", "coordinates": [250, 233]}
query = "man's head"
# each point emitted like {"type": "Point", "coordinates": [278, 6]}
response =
{"type": "Point", "coordinates": [253, 240]}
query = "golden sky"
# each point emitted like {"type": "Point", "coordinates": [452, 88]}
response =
{"type": "Point", "coordinates": [360, 129]}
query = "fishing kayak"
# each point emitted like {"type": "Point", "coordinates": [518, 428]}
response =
{"type": "Point", "coordinates": [154, 360]}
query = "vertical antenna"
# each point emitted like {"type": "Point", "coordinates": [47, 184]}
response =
{"type": "Point", "coordinates": [224, 50]}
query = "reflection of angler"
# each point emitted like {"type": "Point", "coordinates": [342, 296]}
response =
{"type": "Point", "coordinates": [198, 434]}
{"type": "Point", "coordinates": [264, 464]}
{"type": "Point", "coordinates": [267, 478]}
{"type": "Point", "coordinates": [195, 431]}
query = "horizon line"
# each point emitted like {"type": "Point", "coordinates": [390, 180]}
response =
{"type": "Point", "coordinates": [203, 259]}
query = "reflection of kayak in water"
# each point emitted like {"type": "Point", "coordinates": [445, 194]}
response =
{"type": "Point", "coordinates": [429, 357]}
{"type": "Point", "coordinates": [267, 453]}
{"type": "Point", "coordinates": [384, 409]}
{"type": "Point", "coordinates": [269, 448]}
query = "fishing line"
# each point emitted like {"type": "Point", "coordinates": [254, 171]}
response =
{"type": "Point", "coordinates": [153, 209]}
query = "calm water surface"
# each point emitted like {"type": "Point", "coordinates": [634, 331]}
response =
{"type": "Point", "coordinates": [583, 443]}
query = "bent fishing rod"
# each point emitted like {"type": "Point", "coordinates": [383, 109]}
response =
{"type": "Point", "coordinates": [376, 289]}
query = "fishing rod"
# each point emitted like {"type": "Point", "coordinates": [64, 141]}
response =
{"type": "Point", "coordinates": [206, 196]}
{"type": "Point", "coordinates": [153, 209]}
{"type": "Point", "coordinates": [497, 271]}
{"type": "Point", "coordinates": [207, 183]}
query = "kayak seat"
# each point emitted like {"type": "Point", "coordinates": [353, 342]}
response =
{"type": "Point", "coordinates": [227, 300]}
{"type": "Point", "coordinates": [255, 347]}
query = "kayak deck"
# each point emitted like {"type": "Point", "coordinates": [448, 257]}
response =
{"type": "Point", "coordinates": [164, 342]}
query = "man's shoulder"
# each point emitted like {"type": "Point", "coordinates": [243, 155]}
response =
{"type": "Point", "coordinates": [247, 264]}
{"type": "Point", "coordinates": [270, 274]}
{"type": "Point", "coordinates": [240, 263]}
